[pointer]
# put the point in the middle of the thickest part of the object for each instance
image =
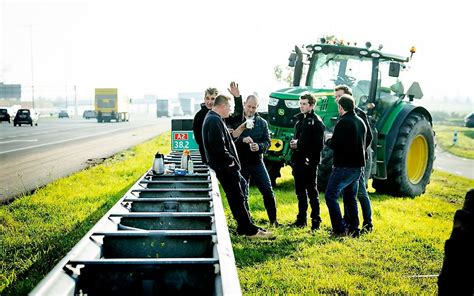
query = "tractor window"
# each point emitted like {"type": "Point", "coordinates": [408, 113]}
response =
{"type": "Point", "coordinates": [331, 70]}
{"type": "Point", "coordinates": [383, 87]}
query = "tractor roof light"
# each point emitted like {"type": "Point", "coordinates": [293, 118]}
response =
{"type": "Point", "coordinates": [364, 52]}
{"type": "Point", "coordinates": [368, 44]}
{"type": "Point", "coordinates": [375, 55]}
{"type": "Point", "coordinates": [412, 51]}
{"type": "Point", "coordinates": [317, 48]}
{"type": "Point", "coordinates": [380, 46]}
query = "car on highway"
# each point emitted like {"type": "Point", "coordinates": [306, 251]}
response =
{"type": "Point", "coordinates": [4, 116]}
{"type": "Point", "coordinates": [89, 114]}
{"type": "Point", "coordinates": [26, 116]}
{"type": "Point", "coordinates": [469, 120]}
{"type": "Point", "coordinates": [63, 114]}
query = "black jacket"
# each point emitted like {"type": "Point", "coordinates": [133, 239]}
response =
{"type": "Point", "coordinates": [199, 120]}
{"type": "Point", "coordinates": [348, 141]}
{"type": "Point", "coordinates": [218, 144]}
{"type": "Point", "coordinates": [368, 140]}
{"type": "Point", "coordinates": [259, 134]}
{"type": "Point", "coordinates": [309, 131]}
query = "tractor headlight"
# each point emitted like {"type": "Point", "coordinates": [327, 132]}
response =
{"type": "Point", "coordinates": [272, 102]}
{"type": "Point", "coordinates": [293, 104]}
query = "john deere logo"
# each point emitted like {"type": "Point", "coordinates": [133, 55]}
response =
{"type": "Point", "coordinates": [281, 112]}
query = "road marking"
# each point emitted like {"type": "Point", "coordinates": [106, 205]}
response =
{"type": "Point", "coordinates": [72, 139]}
{"type": "Point", "coordinates": [35, 140]}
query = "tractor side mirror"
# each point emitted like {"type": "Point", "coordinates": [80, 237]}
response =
{"type": "Point", "coordinates": [397, 88]}
{"type": "Point", "coordinates": [394, 69]}
{"type": "Point", "coordinates": [414, 92]}
{"type": "Point", "coordinates": [292, 60]}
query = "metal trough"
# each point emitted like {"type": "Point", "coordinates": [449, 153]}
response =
{"type": "Point", "coordinates": [166, 235]}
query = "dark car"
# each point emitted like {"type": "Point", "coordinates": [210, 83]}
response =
{"type": "Point", "coordinates": [26, 116]}
{"type": "Point", "coordinates": [63, 114]}
{"type": "Point", "coordinates": [469, 120]}
{"type": "Point", "coordinates": [4, 116]}
{"type": "Point", "coordinates": [89, 114]}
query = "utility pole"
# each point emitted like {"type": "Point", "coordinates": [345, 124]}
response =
{"type": "Point", "coordinates": [32, 72]}
{"type": "Point", "coordinates": [75, 101]}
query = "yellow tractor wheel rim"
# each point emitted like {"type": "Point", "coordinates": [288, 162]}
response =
{"type": "Point", "coordinates": [417, 159]}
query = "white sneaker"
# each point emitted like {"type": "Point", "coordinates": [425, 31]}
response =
{"type": "Point", "coordinates": [261, 234]}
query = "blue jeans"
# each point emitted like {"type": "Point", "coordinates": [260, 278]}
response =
{"type": "Point", "coordinates": [260, 177]}
{"type": "Point", "coordinates": [364, 201]}
{"type": "Point", "coordinates": [345, 180]}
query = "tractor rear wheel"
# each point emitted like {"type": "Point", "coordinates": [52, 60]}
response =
{"type": "Point", "coordinates": [411, 163]}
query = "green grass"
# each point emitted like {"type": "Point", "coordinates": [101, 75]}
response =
{"type": "Point", "coordinates": [408, 240]}
{"type": "Point", "coordinates": [39, 229]}
{"type": "Point", "coordinates": [464, 146]}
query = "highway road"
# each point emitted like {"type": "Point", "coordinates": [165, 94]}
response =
{"type": "Point", "coordinates": [31, 157]}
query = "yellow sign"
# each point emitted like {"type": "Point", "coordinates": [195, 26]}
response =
{"type": "Point", "coordinates": [277, 145]}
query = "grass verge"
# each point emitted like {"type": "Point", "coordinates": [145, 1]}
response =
{"type": "Point", "coordinates": [39, 229]}
{"type": "Point", "coordinates": [464, 145]}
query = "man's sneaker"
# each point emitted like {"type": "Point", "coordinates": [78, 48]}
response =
{"type": "Point", "coordinates": [261, 234]}
{"type": "Point", "coordinates": [275, 223]}
{"type": "Point", "coordinates": [315, 224]}
{"type": "Point", "coordinates": [355, 233]}
{"type": "Point", "coordinates": [299, 224]}
{"type": "Point", "coordinates": [366, 228]}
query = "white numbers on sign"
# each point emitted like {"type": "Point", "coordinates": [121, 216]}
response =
{"type": "Point", "coordinates": [181, 145]}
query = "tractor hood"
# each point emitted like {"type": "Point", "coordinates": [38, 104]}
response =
{"type": "Point", "coordinates": [294, 93]}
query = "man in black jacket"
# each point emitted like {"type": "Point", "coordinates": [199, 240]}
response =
{"type": "Point", "coordinates": [209, 97]}
{"type": "Point", "coordinates": [251, 145]}
{"type": "Point", "coordinates": [223, 159]}
{"type": "Point", "coordinates": [362, 194]}
{"type": "Point", "coordinates": [349, 145]}
{"type": "Point", "coordinates": [307, 145]}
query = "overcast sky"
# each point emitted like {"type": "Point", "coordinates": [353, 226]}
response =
{"type": "Point", "coordinates": [164, 47]}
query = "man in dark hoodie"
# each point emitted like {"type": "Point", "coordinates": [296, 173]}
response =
{"type": "Point", "coordinates": [223, 159]}
{"type": "Point", "coordinates": [349, 145]}
{"type": "Point", "coordinates": [251, 145]}
{"type": "Point", "coordinates": [362, 194]}
{"type": "Point", "coordinates": [307, 145]}
{"type": "Point", "coordinates": [209, 96]}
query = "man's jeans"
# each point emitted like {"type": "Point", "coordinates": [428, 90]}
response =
{"type": "Point", "coordinates": [260, 177]}
{"type": "Point", "coordinates": [364, 201]}
{"type": "Point", "coordinates": [345, 180]}
{"type": "Point", "coordinates": [233, 185]}
{"type": "Point", "coordinates": [305, 187]}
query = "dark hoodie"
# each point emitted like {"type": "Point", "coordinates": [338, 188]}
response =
{"type": "Point", "coordinates": [199, 120]}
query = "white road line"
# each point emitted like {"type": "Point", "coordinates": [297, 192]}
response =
{"type": "Point", "coordinates": [35, 140]}
{"type": "Point", "coordinates": [68, 140]}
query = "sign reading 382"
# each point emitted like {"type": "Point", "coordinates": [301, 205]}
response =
{"type": "Point", "coordinates": [181, 140]}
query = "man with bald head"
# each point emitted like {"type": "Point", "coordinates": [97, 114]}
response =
{"type": "Point", "coordinates": [251, 145]}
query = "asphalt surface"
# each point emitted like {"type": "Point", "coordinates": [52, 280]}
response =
{"type": "Point", "coordinates": [453, 164]}
{"type": "Point", "coordinates": [31, 157]}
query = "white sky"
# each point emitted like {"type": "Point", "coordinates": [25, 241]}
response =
{"type": "Point", "coordinates": [165, 47]}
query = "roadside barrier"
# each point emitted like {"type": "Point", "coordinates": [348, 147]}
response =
{"type": "Point", "coordinates": [166, 235]}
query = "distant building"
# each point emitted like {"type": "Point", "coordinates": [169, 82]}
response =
{"type": "Point", "coordinates": [10, 92]}
{"type": "Point", "coordinates": [190, 101]}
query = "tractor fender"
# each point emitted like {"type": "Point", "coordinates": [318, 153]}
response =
{"type": "Point", "coordinates": [391, 127]}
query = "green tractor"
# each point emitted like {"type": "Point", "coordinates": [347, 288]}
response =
{"type": "Point", "coordinates": [401, 159]}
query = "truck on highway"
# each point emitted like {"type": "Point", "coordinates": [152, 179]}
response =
{"type": "Point", "coordinates": [163, 108]}
{"type": "Point", "coordinates": [109, 106]}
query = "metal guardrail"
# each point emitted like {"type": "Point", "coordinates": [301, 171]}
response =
{"type": "Point", "coordinates": [166, 235]}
